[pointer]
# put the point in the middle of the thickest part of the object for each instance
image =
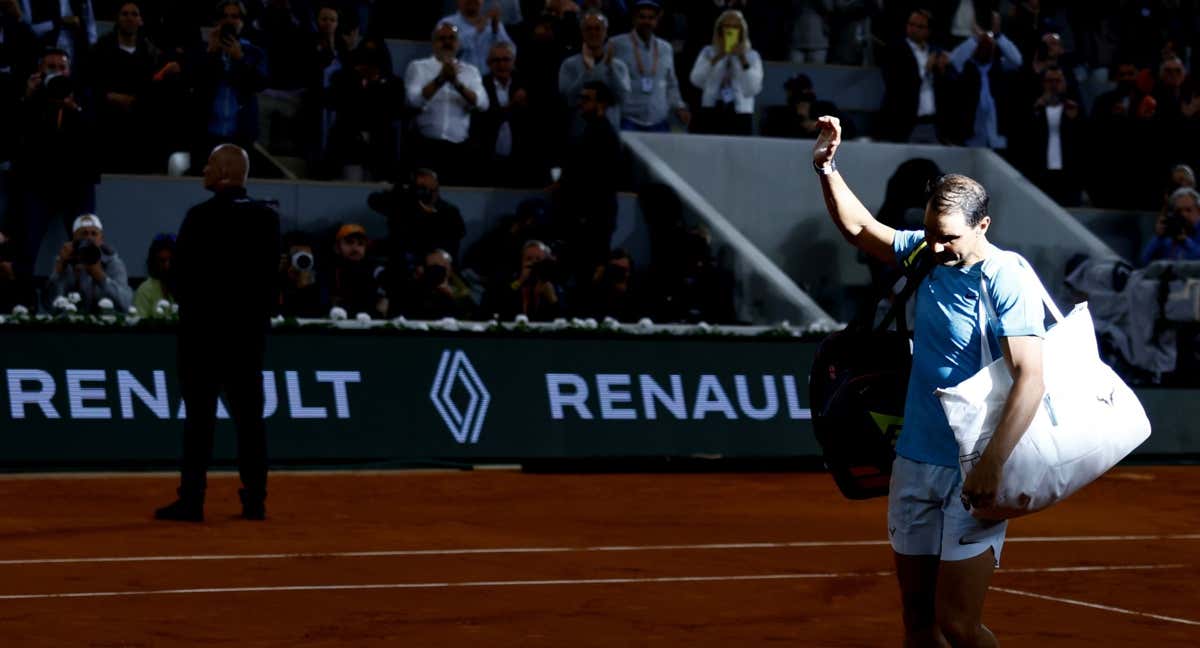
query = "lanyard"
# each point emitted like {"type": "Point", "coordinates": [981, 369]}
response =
{"type": "Point", "coordinates": [637, 54]}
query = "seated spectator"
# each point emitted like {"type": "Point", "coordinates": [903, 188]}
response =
{"type": "Point", "coordinates": [730, 74]}
{"type": "Point", "coordinates": [160, 281]}
{"type": "Point", "coordinates": [15, 290]}
{"type": "Point", "coordinates": [535, 292]}
{"type": "Point", "coordinates": [227, 78]}
{"type": "Point", "coordinates": [300, 296]}
{"type": "Point", "coordinates": [1121, 101]}
{"type": "Point", "coordinates": [352, 281]}
{"type": "Point", "coordinates": [596, 62]}
{"type": "Point", "coordinates": [126, 65]}
{"type": "Point", "coordinates": [283, 33]}
{"type": "Point", "coordinates": [698, 290]}
{"type": "Point", "coordinates": [494, 256]}
{"type": "Point", "coordinates": [654, 95]}
{"type": "Point", "coordinates": [585, 198]}
{"type": "Point", "coordinates": [1168, 92]}
{"type": "Point", "coordinates": [916, 89]}
{"type": "Point", "coordinates": [1055, 139]}
{"type": "Point", "coordinates": [88, 266]}
{"type": "Point", "coordinates": [611, 291]}
{"type": "Point", "coordinates": [986, 67]}
{"type": "Point", "coordinates": [418, 219]}
{"type": "Point", "coordinates": [54, 172]}
{"type": "Point", "coordinates": [478, 32]}
{"type": "Point", "coordinates": [504, 130]}
{"type": "Point", "coordinates": [365, 99]}
{"type": "Point", "coordinates": [436, 291]}
{"type": "Point", "coordinates": [18, 58]}
{"type": "Point", "coordinates": [1176, 236]}
{"type": "Point", "coordinates": [799, 117]}
{"type": "Point", "coordinates": [445, 91]}
{"type": "Point", "coordinates": [68, 26]}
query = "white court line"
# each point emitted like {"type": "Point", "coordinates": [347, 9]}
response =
{"type": "Point", "coordinates": [506, 583]}
{"type": "Point", "coordinates": [1107, 608]}
{"type": "Point", "coordinates": [547, 550]}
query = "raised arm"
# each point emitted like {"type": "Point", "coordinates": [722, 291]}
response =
{"type": "Point", "coordinates": [853, 220]}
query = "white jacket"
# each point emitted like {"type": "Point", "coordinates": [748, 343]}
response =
{"type": "Point", "coordinates": [745, 81]}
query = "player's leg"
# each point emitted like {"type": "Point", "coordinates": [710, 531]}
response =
{"type": "Point", "coordinates": [961, 588]}
{"type": "Point", "coordinates": [918, 576]}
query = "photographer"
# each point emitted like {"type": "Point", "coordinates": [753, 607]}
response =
{"type": "Point", "coordinates": [1175, 233]}
{"type": "Point", "coordinates": [418, 219]}
{"type": "Point", "coordinates": [301, 295]}
{"type": "Point", "coordinates": [436, 291]}
{"type": "Point", "coordinates": [160, 284]}
{"type": "Point", "coordinates": [612, 292]}
{"type": "Point", "coordinates": [228, 78]}
{"type": "Point", "coordinates": [86, 265]}
{"type": "Point", "coordinates": [536, 292]}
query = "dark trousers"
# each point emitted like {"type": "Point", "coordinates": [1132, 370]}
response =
{"type": "Point", "coordinates": [207, 367]}
{"type": "Point", "coordinates": [41, 209]}
{"type": "Point", "coordinates": [454, 163]}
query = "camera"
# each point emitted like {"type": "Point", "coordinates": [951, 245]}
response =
{"type": "Point", "coordinates": [85, 252]}
{"type": "Point", "coordinates": [544, 270]}
{"type": "Point", "coordinates": [302, 261]}
{"type": "Point", "coordinates": [1175, 225]}
{"type": "Point", "coordinates": [614, 274]}
{"type": "Point", "coordinates": [229, 31]}
{"type": "Point", "coordinates": [58, 86]}
{"type": "Point", "coordinates": [433, 275]}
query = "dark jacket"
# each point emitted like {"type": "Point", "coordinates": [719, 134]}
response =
{"type": "Point", "coordinates": [485, 126]}
{"type": "Point", "coordinates": [412, 231]}
{"type": "Point", "coordinates": [902, 92]}
{"type": "Point", "coordinates": [961, 125]}
{"type": "Point", "coordinates": [43, 11]}
{"type": "Point", "coordinates": [226, 264]}
{"type": "Point", "coordinates": [247, 77]}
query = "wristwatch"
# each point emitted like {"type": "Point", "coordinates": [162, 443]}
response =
{"type": "Point", "coordinates": [828, 169]}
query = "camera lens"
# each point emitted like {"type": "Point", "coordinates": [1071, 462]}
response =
{"type": "Point", "coordinates": [302, 261]}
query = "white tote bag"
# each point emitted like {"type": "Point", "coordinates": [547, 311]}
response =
{"type": "Point", "coordinates": [1088, 420]}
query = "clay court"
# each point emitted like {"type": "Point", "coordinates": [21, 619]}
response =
{"type": "Point", "coordinates": [500, 557]}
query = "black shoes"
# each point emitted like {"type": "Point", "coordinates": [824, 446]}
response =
{"type": "Point", "coordinates": [253, 505]}
{"type": "Point", "coordinates": [181, 510]}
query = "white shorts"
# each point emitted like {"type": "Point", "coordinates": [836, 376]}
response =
{"type": "Point", "coordinates": [926, 515]}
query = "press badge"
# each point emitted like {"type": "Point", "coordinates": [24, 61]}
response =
{"type": "Point", "coordinates": [728, 95]}
{"type": "Point", "coordinates": [647, 85]}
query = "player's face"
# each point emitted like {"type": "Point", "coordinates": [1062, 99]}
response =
{"type": "Point", "coordinates": [953, 242]}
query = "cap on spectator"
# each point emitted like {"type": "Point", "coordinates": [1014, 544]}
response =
{"type": "Point", "coordinates": [87, 220]}
{"type": "Point", "coordinates": [648, 3]}
{"type": "Point", "coordinates": [797, 82]}
{"type": "Point", "coordinates": [351, 229]}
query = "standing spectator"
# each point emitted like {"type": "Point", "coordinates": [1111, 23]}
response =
{"type": "Point", "coordinates": [504, 130]}
{"type": "Point", "coordinates": [326, 53]}
{"type": "Point", "coordinates": [18, 58]}
{"type": "Point", "coordinates": [125, 65]}
{"type": "Point", "coordinates": [730, 73]}
{"type": "Point", "coordinates": [1168, 92]}
{"type": "Point", "coordinates": [986, 65]}
{"type": "Point", "coordinates": [810, 33]}
{"type": "Point", "coordinates": [160, 283]}
{"type": "Point", "coordinates": [850, 31]}
{"type": "Point", "coordinates": [654, 93]}
{"type": "Point", "coordinates": [54, 169]}
{"type": "Point", "coordinates": [283, 33]}
{"type": "Point", "coordinates": [535, 292]}
{"type": "Point", "coordinates": [68, 25]}
{"type": "Point", "coordinates": [225, 262]}
{"type": "Point", "coordinates": [365, 99]}
{"type": "Point", "coordinates": [88, 266]}
{"type": "Point", "coordinates": [478, 32]}
{"type": "Point", "coordinates": [915, 86]}
{"type": "Point", "coordinates": [1177, 232]}
{"type": "Point", "coordinates": [585, 210]}
{"type": "Point", "coordinates": [419, 219]}
{"type": "Point", "coordinates": [597, 62]}
{"type": "Point", "coordinates": [445, 91]}
{"type": "Point", "coordinates": [1056, 135]}
{"type": "Point", "coordinates": [1121, 101]}
{"type": "Point", "coordinates": [436, 291]}
{"type": "Point", "coordinates": [352, 281]}
{"type": "Point", "coordinates": [228, 77]}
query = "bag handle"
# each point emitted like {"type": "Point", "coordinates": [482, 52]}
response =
{"type": "Point", "coordinates": [985, 301]}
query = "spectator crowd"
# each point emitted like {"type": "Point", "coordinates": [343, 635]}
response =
{"type": "Point", "coordinates": [533, 94]}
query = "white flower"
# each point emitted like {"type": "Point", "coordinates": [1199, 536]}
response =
{"type": "Point", "coordinates": [448, 324]}
{"type": "Point", "coordinates": [646, 323]}
{"type": "Point", "coordinates": [132, 312]}
{"type": "Point", "coordinates": [590, 323]}
{"type": "Point", "coordinates": [20, 311]}
{"type": "Point", "coordinates": [71, 308]}
{"type": "Point", "coordinates": [337, 313]}
{"type": "Point", "coordinates": [74, 297]}
{"type": "Point", "coordinates": [610, 322]}
{"type": "Point", "coordinates": [704, 326]}
{"type": "Point", "coordinates": [363, 318]}
{"type": "Point", "coordinates": [60, 303]}
{"type": "Point", "coordinates": [105, 304]}
{"type": "Point", "coordinates": [175, 308]}
{"type": "Point", "coordinates": [277, 320]}
{"type": "Point", "coordinates": [420, 326]}
{"type": "Point", "coordinates": [521, 319]}
{"type": "Point", "coordinates": [576, 322]}
{"type": "Point", "coordinates": [559, 324]}
{"type": "Point", "coordinates": [162, 306]}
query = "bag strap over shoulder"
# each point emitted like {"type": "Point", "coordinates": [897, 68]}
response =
{"type": "Point", "coordinates": [917, 265]}
{"type": "Point", "coordinates": [985, 302]}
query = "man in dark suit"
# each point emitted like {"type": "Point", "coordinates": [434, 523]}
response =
{"type": "Point", "coordinates": [501, 132]}
{"type": "Point", "coordinates": [226, 259]}
{"type": "Point", "coordinates": [914, 73]}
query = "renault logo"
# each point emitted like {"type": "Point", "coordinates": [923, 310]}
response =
{"type": "Point", "coordinates": [456, 368]}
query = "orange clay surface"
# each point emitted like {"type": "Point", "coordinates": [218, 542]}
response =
{"type": "Point", "coordinates": [501, 558]}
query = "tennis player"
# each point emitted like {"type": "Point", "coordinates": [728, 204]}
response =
{"type": "Point", "coordinates": [944, 555]}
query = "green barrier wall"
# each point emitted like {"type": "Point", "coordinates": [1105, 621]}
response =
{"type": "Point", "coordinates": [72, 398]}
